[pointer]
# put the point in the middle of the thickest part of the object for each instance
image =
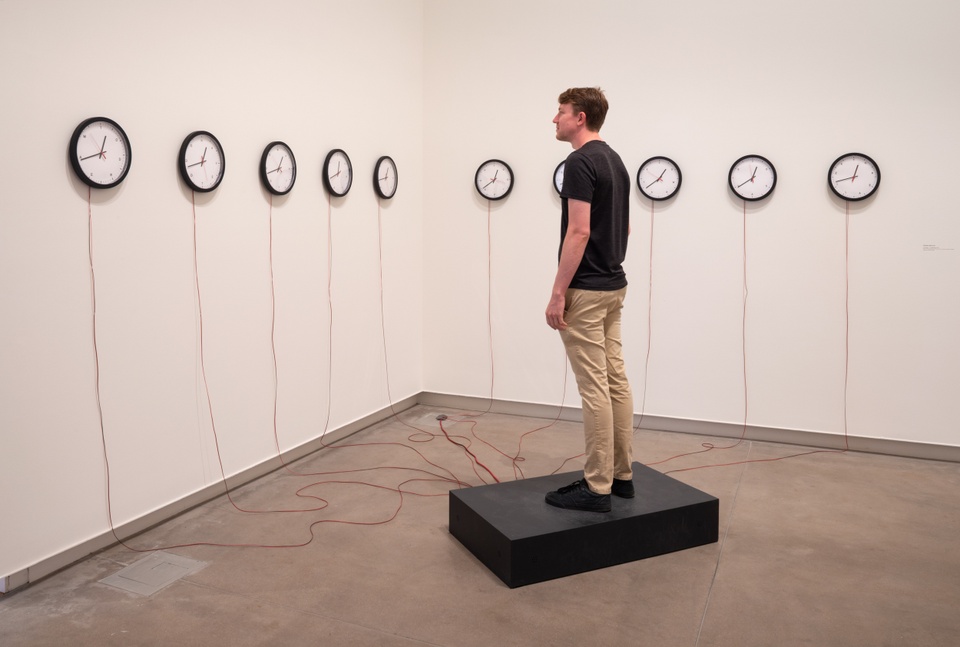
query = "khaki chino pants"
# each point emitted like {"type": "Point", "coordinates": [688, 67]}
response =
{"type": "Point", "coordinates": [592, 340]}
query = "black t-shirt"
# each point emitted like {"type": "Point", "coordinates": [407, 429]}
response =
{"type": "Point", "coordinates": [594, 173]}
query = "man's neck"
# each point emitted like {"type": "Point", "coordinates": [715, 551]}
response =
{"type": "Point", "coordinates": [583, 137]}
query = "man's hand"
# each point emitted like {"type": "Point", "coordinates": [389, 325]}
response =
{"type": "Point", "coordinates": [555, 312]}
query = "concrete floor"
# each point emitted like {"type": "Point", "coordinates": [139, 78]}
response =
{"type": "Point", "coordinates": [827, 549]}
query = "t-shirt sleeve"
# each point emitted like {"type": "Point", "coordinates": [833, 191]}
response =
{"type": "Point", "coordinates": [579, 178]}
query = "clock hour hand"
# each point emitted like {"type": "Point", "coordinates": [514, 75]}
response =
{"type": "Point", "coordinates": [278, 165]}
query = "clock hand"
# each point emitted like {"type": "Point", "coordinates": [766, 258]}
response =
{"type": "Point", "coordinates": [100, 153]}
{"type": "Point", "coordinates": [489, 183]}
{"type": "Point", "coordinates": [659, 179]}
{"type": "Point", "coordinates": [281, 163]}
{"type": "Point", "coordinates": [203, 158]}
{"type": "Point", "coordinates": [752, 177]}
{"type": "Point", "coordinates": [855, 173]}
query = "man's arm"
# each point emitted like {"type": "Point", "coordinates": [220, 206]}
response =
{"type": "Point", "coordinates": [574, 244]}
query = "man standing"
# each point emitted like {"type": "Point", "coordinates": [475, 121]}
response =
{"type": "Point", "coordinates": [587, 298]}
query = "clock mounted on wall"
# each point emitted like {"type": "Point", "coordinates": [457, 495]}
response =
{"type": "Point", "coordinates": [752, 177]}
{"type": "Point", "coordinates": [659, 178]}
{"type": "Point", "coordinates": [100, 152]}
{"type": "Point", "coordinates": [201, 161]}
{"type": "Point", "coordinates": [278, 168]}
{"type": "Point", "coordinates": [854, 177]}
{"type": "Point", "coordinates": [494, 179]}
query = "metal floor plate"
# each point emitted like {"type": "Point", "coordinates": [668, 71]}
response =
{"type": "Point", "coordinates": [153, 573]}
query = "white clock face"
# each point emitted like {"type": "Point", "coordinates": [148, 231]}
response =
{"type": "Point", "coordinates": [659, 178]}
{"type": "Point", "coordinates": [854, 176]}
{"type": "Point", "coordinates": [338, 173]}
{"type": "Point", "coordinates": [385, 178]}
{"type": "Point", "coordinates": [494, 179]}
{"type": "Point", "coordinates": [558, 176]}
{"type": "Point", "coordinates": [278, 168]}
{"type": "Point", "coordinates": [100, 153]}
{"type": "Point", "coordinates": [752, 177]}
{"type": "Point", "coordinates": [201, 161]}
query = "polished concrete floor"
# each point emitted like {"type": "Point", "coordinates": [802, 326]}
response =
{"type": "Point", "coordinates": [825, 549]}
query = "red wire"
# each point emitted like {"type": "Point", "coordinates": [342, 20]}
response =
{"type": "Point", "coordinates": [646, 366]}
{"type": "Point", "coordinates": [846, 339]}
{"type": "Point", "coordinates": [475, 461]}
{"type": "Point", "coordinates": [710, 446]}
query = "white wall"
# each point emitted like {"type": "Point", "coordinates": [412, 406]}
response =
{"type": "Point", "coordinates": [705, 83]}
{"type": "Point", "coordinates": [318, 75]}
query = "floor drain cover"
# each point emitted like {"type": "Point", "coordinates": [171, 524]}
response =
{"type": "Point", "coordinates": [153, 573]}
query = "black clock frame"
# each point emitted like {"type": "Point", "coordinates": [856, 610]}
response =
{"type": "Point", "coordinates": [376, 177]}
{"type": "Point", "coordinates": [679, 178]}
{"type": "Point", "coordinates": [772, 186]}
{"type": "Point", "coordinates": [182, 163]}
{"type": "Point", "coordinates": [75, 161]}
{"type": "Point", "coordinates": [263, 168]}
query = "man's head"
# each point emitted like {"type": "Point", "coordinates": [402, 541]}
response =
{"type": "Point", "coordinates": [590, 101]}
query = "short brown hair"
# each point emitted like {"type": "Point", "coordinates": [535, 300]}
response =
{"type": "Point", "coordinates": [590, 101]}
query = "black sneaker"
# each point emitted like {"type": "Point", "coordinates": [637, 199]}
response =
{"type": "Point", "coordinates": [577, 496]}
{"type": "Point", "coordinates": [623, 488]}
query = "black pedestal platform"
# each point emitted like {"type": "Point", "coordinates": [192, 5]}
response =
{"type": "Point", "coordinates": [511, 529]}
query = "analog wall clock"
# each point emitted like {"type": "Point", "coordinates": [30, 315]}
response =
{"type": "Point", "coordinates": [752, 177]}
{"type": "Point", "coordinates": [278, 168]}
{"type": "Point", "coordinates": [659, 178]}
{"type": "Point", "coordinates": [558, 176]}
{"type": "Point", "coordinates": [201, 161]}
{"type": "Point", "coordinates": [337, 173]}
{"type": "Point", "coordinates": [385, 177]}
{"type": "Point", "coordinates": [494, 179]}
{"type": "Point", "coordinates": [854, 176]}
{"type": "Point", "coordinates": [100, 152]}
